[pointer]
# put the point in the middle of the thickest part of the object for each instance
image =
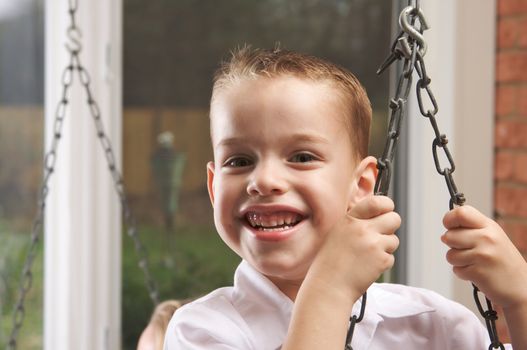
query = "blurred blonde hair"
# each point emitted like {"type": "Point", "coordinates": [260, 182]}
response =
{"type": "Point", "coordinates": [159, 321]}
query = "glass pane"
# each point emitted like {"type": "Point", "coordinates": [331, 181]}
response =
{"type": "Point", "coordinates": [21, 149]}
{"type": "Point", "coordinates": [171, 49]}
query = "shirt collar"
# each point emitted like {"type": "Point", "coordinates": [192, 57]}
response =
{"type": "Point", "coordinates": [382, 303]}
{"type": "Point", "coordinates": [276, 308]}
{"type": "Point", "coordinates": [248, 282]}
{"type": "Point", "coordinates": [388, 304]}
{"type": "Point", "coordinates": [265, 309]}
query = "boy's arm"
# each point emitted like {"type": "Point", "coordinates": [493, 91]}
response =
{"type": "Point", "coordinates": [355, 253]}
{"type": "Point", "coordinates": [481, 252]}
{"type": "Point", "coordinates": [320, 317]}
{"type": "Point", "coordinates": [516, 318]}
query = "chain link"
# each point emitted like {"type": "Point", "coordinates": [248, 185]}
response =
{"type": "Point", "coordinates": [490, 316]}
{"type": "Point", "coordinates": [353, 322]}
{"type": "Point", "coordinates": [410, 47]}
{"type": "Point", "coordinates": [74, 48]}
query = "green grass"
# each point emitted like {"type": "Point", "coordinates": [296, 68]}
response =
{"type": "Point", "coordinates": [13, 251]}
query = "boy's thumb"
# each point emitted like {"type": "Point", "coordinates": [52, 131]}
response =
{"type": "Point", "coordinates": [371, 206]}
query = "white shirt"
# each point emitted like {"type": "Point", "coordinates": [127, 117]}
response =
{"type": "Point", "coordinates": [254, 314]}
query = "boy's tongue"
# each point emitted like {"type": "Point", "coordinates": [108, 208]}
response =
{"type": "Point", "coordinates": [273, 220]}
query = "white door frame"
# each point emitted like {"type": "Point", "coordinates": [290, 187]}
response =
{"type": "Point", "coordinates": [82, 255]}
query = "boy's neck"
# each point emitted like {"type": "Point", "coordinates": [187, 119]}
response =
{"type": "Point", "coordinates": [288, 287]}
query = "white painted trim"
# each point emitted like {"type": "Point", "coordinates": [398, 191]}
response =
{"type": "Point", "coordinates": [460, 60]}
{"type": "Point", "coordinates": [427, 195]}
{"type": "Point", "coordinates": [474, 111]}
{"type": "Point", "coordinates": [82, 255]}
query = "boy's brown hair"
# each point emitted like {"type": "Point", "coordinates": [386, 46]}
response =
{"type": "Point", "coordinates": [246, 62]}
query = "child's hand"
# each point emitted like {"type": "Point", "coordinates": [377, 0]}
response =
{"type": "Point", "coordinates": [482, 253]}
{"type": "Point", "coordinates": [360, 247]}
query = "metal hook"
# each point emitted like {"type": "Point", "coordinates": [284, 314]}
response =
{"type": "Point", "coordinates": [74, 35]}
{"type": "Point", "coordinates": [409, 29]}
{"type": "Point", "coordinates": [73, 5]}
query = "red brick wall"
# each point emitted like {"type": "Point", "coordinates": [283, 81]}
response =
{"type": "Point", "coordinates": [510, 172]}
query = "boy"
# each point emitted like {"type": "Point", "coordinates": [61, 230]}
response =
{"type": "Point", "coordinates": [291, 185]}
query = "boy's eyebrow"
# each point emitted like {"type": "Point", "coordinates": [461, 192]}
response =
{"type": "Point", "coordinates": [309, 138]}
{"type": "Point", "coordinates": [299, 137]}
{"type": "Point", "coordinates": [230, 141]}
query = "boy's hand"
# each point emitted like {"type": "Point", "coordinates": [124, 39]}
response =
{"type": "Point", "coordinates": [355, 252]}
{"type": "Point", "coordinates": [359, 248]}
{"type": "Point", "coordinates": [481, 252]}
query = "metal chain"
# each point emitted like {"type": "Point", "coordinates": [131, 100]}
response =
{"type": "Point", "coordinates": [49, 167]}
{"type": "Point", "coordinates": [353, 322]}
{"type": "Point", "coordinates": [410, 47]}
{"type": "Point", "coordinates": [129, 218]}
{"type": "Point", "coordinates": [74, 47]}
{"type": "Point", "coordinates": [456, 198]}
{"type": "Point", "coordinates": [402, 48]}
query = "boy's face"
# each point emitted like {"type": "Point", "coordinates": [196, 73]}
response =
{"type": "Point", "coordinates": [283, 171]}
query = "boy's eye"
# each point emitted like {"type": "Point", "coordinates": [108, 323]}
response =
{"type": "Point", "coordinates": [237, 162]}
{"type": "Point", "coordinates": [302, 158]}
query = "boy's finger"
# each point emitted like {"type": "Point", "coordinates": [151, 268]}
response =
{"type": "Point", "coordinates": [460, 239]}
{"type": "Point", "coordinates": [391, 243]}
{"type": "Point", "coordinates": [465, 216]}
{"type": "Point", "coordinates": [387, 223]}
{"type": "Point", "coordinates": [460, 257]}
{"type": "Point", "coordinates": [371, 207]}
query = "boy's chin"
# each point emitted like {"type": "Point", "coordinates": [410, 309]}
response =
{"type": "Point", "coordinates": [277, 270]}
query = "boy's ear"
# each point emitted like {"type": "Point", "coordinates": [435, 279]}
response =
{"type": "Point", "coordinates": [364, 181]}
{"type": "Point", "coordinates": [210, 181]}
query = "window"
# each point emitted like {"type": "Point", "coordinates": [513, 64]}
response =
{"type": "Point", "coordinates": [171, 50]}
{"type": "Point", "coordinates": [21, 149]}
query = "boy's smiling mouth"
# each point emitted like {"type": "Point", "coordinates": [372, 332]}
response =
{"type": "Point", "coordinates": [273, 221]}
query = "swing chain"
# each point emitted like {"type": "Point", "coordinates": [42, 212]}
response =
{"type": "Point", "coordinates": [407, 47]}
{"type": "Point", "coordinates": [440, 140]}
{"type": "Point", "coordinates": [490, 316]}
{"type": "Point", "coordinates": [404, 48]}
{"type": "Point", "coordinates": [397, 107]}
{"type": "Point", "coordinates": [456, 198]}
{"type": "Point", "coordinates": [353, 321]}
{"type": "Point", "coordinates": [49, 167]}
{"type": "Point", "coordinates": [74, 47]}
{"type": "Point", "coordinates": [129, 218]}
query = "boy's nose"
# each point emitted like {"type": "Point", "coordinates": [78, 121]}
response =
{"type": "Point", "coordinates": [266, 180]}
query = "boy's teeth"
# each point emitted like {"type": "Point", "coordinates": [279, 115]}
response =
{"type": "Point", "coordinates": [272, 220]}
